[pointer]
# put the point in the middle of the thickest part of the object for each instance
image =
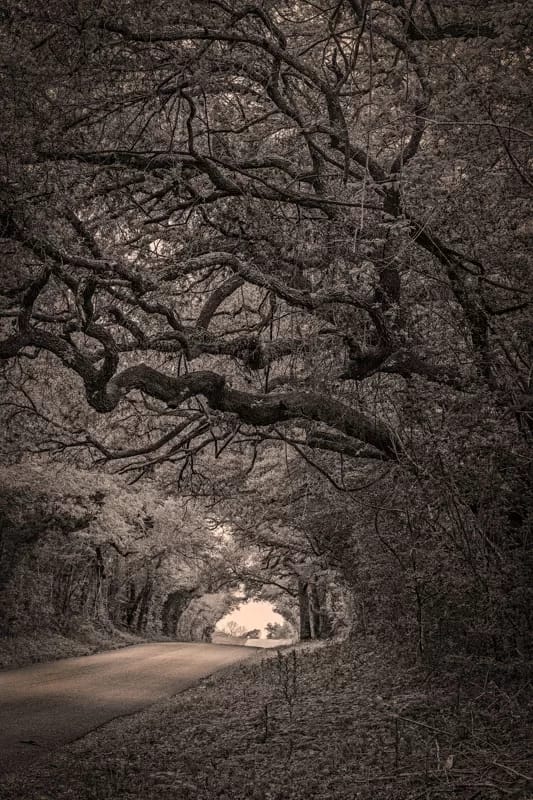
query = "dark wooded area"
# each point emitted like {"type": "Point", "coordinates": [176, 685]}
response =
{"type": "Point", "coordinates": [266, 321]}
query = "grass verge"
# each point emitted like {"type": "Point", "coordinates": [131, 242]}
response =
{"type": "Point", "coordinates": [32, 648]}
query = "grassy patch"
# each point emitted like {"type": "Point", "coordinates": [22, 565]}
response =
{"type": "Point", "coordinates": [32, 648]}
{"type": "Point", "coordinates": [306, 724]}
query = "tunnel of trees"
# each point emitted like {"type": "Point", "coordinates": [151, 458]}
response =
{"type": "Point", "coordinates": [79, 548]}
{"type": "Point", "coordinates": [265, 317]}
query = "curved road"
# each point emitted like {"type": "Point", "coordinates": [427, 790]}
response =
{"type": "Point", "coordinates": [47, 705]}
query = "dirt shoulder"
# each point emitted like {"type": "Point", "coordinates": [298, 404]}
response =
{"type": "Point", "coordinates": [307, 724]}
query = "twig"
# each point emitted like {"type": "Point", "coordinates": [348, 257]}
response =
{"type": "Point", "coordinates": [377, 778]}
{"type": "Point", "coordinates": [483, 786]}
{"type": "Point", "coordinates": [513, 771]}
{"type": "Point", "coordinates": [421, 724]}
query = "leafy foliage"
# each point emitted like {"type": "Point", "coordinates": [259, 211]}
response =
{"type": "Point", "coordinates": [235, 234]}
{"type": "Point", "coordinates": [79, 548]}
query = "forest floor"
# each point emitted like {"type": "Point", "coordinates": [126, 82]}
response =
{"type": "Point", "coordinates": [340, 721]}
{"type": "Point", "coordinates": [86, 639]}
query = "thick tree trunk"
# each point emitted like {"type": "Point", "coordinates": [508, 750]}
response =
{"type": "Point", "coordinates": [131, 606]}
{"type": "Point", "coordinates": [305, 617]}
{"type": "Point", "coordinates": [315, 615]}
{"type": "Point", "coordinates": [144, 606]}
{"type": "Point", "coordinates": [315, 622]}
{"type": "Point", "coordinates": [99, 606]}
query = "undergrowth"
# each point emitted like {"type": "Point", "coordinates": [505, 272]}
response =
{"type": "Point", "coordinates": [340, 721]}
{"type": "Point", "coordinates": [34, 647]}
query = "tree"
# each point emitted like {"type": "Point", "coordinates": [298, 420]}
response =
{"type": "Point", "coordinates": [290, 225]}
{"type": "Point", "coordinates": [277, 630]}
{"type": "Point", "coordinates": [344, 211]}
{"type": "Point", "coordinates": [235, 630]}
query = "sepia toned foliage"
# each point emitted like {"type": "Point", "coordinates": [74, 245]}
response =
{"type": "Point", "coordinates": [79, 549]}
{"type": "Point", "coordinates": [287, 228]}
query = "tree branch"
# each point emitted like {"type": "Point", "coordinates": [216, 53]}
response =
{"type": "Point", "coordinates": [254, 409]}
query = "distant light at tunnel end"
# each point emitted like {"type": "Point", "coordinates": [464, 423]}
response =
{"type": "Point", "coordinates": [252, 614]}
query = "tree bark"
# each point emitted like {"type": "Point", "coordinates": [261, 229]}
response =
{"type": "Point", "coordinates": [305, 617]}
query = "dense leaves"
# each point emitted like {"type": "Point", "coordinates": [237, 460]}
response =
{"type": "Point", "coordinates": [78, 549]}
{"type": "Point", "coordinates": [288, 228]}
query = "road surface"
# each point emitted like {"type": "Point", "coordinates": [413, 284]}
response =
{"type": "Point", "coordinates": [44, 706]}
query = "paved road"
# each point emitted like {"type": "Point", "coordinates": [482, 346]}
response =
{"type": "Point", "coordinates": [46, 705]}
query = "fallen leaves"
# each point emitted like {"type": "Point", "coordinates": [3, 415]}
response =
{"type": "Point", "coordinates": [353, 727]}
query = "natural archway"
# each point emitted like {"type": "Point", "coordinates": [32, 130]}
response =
{"type": "Point", "coordinates": [173, 607]}
{"type": "Point", "coordinates": [198, 615]}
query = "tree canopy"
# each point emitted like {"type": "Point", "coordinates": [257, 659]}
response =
{"type": "Point", "coordinates": [301, 226]}
{"type": "Point", "coordinates": [268, 206]}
